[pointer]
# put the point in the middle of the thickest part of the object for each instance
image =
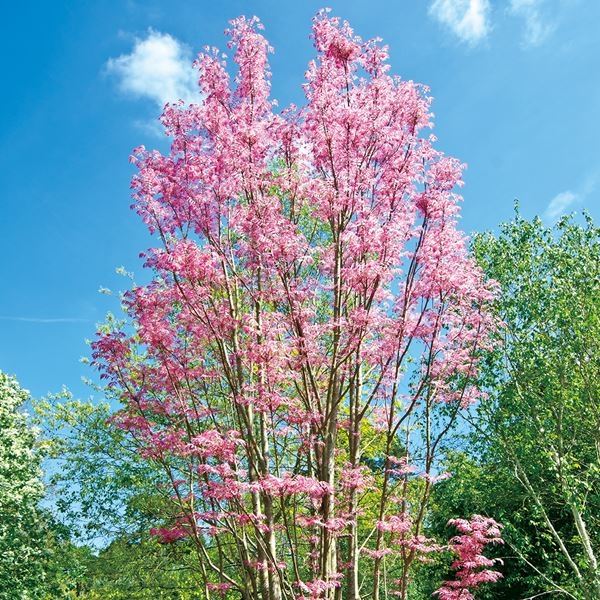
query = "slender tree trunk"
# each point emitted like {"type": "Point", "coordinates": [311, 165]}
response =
{"type": "Point", "coordinates": [589, 550]}
{"type": "Point", "coordinates": [352, 583]}
{"type": "Point", "coordinates": [328, 541]}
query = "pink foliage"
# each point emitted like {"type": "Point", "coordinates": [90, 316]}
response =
{"type": "Point", "coordinates": [168, 535]}
{"type": "Point", "coordinates": [471, 566]}
{"type": "Point", "coordinates": [312, 298]}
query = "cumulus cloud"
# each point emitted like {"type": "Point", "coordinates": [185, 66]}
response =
{"type": "Point", "coordinates": [158, 68]}
{"type": "Point", "coordinates": [559, 205]}
{"type": "Point", "coordinates": [536, 28]}
{"type": "Point", "coordinates": [469, 20]}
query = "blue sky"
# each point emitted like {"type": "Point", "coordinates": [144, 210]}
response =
{"type": "Point", "coordinates": [517, 97]}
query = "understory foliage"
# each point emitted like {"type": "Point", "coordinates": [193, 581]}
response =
{"type": "Point", "coordinates": [312, 329]}
{"type": "Point", "coordinates": [471, 566]}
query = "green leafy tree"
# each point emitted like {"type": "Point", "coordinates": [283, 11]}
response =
{"type": "Point", "coordinates": [109, 499]}
{"type": "Point", "coordinates": [142, 569]}
{"type": "Point", "coordinates": [98, 484]}
{"type": "Point", "coordinates": [533, 459]}
{"type": "Point", "coordinates": [22, 551]}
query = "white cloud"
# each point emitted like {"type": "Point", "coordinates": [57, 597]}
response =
{"type": "Point", "coordinates": [536, 27]}
{"type": "Point", "coordinates": [467, 19]}
{"type": "Point", "coordinates": [559, 205]}
{"type": "Point", "coordinates": [159, 68]}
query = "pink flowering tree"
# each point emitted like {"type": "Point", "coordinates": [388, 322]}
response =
{"type": "Point", "coordinates": [312, 328]}
{"type": "Point", "coordinates": [471, 566]}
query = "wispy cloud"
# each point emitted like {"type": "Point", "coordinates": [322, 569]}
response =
{"type": "Point", "coordinates": [559, 205]}
{"type": "Point", "coordinates": [45, 320]}
{"type": "Point", "coordinates": [158, 68]}
{"type": "Point", "coordinates": [469, 20]}
{"type": "Point", "coordinates": [537, 29]}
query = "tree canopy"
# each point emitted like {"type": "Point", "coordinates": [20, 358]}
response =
{"type": "Point", "coordinates": [312, 329]}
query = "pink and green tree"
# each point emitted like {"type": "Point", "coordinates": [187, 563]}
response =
{"type": "Point", "coordinates": [312, 329]}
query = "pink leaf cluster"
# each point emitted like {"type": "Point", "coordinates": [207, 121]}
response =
{"type": "Point", "coordinates": [471, 566]}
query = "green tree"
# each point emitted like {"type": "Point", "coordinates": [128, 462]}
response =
{"type": "Point", "coordinates": [22, 551]}
{"type": "Point", "coordinates": [98, 484]}
{"type": "Point", "coordinates": [142, 569]}
{"type": "Point", "coordinates": [533, 460]}
{"type": "Point", "coordinates": [109, 499]}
